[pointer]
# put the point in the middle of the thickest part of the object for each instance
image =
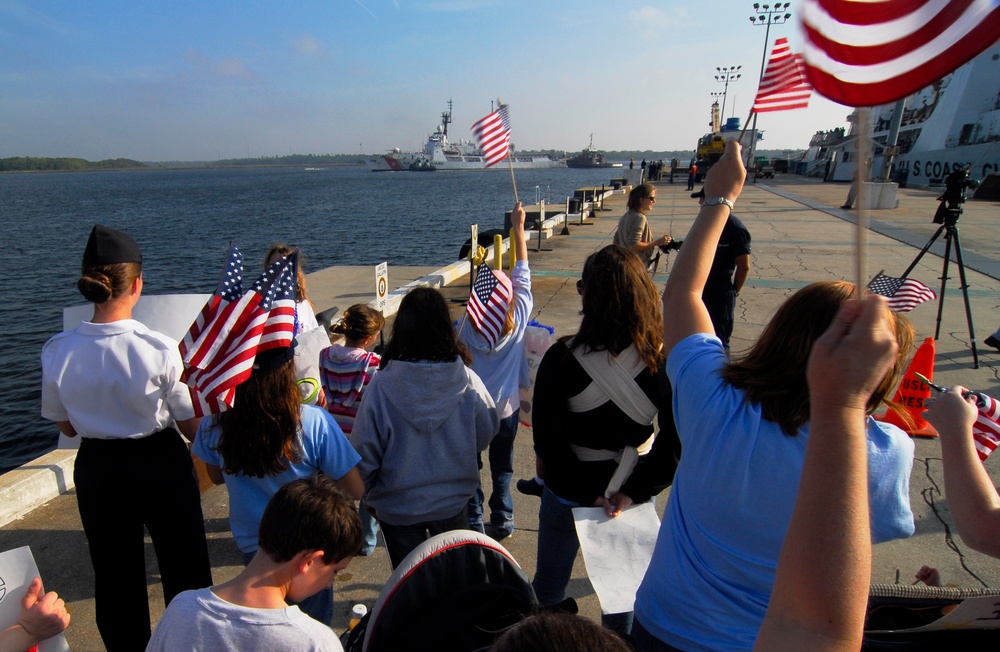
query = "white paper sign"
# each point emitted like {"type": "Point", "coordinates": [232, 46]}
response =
{"type": "Point", "coordinates": [170, 314]}
{"type": "Point", "coordinates": [616, 551]}
{"type": "Point", "coordinates": [17, 570]}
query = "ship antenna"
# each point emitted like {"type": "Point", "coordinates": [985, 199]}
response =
{"type": "Point", "coordinates": [446, 119]}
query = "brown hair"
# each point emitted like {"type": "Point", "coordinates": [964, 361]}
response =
{"type": "Point", "coordinates": [773, 372]}
{"type": "Point", "coordinates": [547, 631]}
{"type": "Point", "coordinates": [300, 280]}
{"type": "Point", "coordinates": [621, 307]}
{"type": "Point", "coordinates": [640, 192]}
{"type": "Point", "coordinates": [99, 283]}
{"type": "Point", "coordinates": [359, 322]}
{"type": "Point", "coordinates": [310, 514]}
{"type": "Point", "coordinates": [423, 330]}
{"type": "Point", "coordinates": [260, 433]}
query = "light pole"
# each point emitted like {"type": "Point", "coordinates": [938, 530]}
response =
{"type": "Point", "coordinates": [726, 75]}
{"type": "Point", "coordinates": [766, 15]}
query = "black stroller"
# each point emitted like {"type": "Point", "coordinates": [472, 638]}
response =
{"type": "Point", "coordinates": [457, 591]}
{"type": "Point", "coordinates": [904, 618]}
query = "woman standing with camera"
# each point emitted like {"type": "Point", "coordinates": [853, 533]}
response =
{"type": "Point", "coordinates": [633, 230]}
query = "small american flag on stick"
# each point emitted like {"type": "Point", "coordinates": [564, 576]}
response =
{"type": "Point", "coordinates": [986, 429]}
{"type": "Point", "coordinates": [863, 53]}
{"type": "Point", "coordinates": [904, 294]}
{"type": "Point", "coordinates": [493, 135]}
{"type": "Point", "coordinates": [219, 349]}
{"type": "Point", "coordinates": [784, 85]}
{"type": "Point", "coordinates": [487, 309]}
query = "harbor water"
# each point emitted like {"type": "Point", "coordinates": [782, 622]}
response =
{"type": "Point", "coordinates": [184, 220]}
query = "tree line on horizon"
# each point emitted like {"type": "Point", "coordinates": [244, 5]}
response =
{"type": "Point", "coordinates": [44, 164]}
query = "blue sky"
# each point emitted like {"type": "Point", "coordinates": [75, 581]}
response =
{"type": "Point", "coordinates": [184, 80]}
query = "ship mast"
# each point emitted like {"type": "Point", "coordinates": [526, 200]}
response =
{"type": "Point", "coordinates": [446, 119]}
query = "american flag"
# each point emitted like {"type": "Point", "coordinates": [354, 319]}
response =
{"type": "Point", "coordinates": [865, 53]}
{"type": "Point", "coordinates": [219, 348]}
{"type": "Point", "coordinates": [487, 309]}
{"type": "Point", "coordinates": [904, 294]}
{"type": "Point", "coordinates": [493, 135]}
{"type": "Point", "coordinates": [784, 85]}
{"type": "Point", "coordinates": [986, 429]}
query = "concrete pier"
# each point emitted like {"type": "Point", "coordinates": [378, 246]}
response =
{"type": "Point", "coordinates": [799, 236]}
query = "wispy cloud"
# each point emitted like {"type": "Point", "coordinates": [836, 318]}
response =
{"type": "Point", "coordinates": [362, 5]}
{"type": "Point", "coordinates": [20, 12]}
{"type": "Point", "coordinates": [228, 68]}
{"type": "Point", "coordinates": [455, 6]}
{"type": "Point", "coordinates": [309, 47]}
{"type": "Point", "coordinates": [652, 21]}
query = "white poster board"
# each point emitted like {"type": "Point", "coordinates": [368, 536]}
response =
{"type": "Point", "coordinates": [617, 551]}
{"type": "Point", "coordinates": [17, 570]}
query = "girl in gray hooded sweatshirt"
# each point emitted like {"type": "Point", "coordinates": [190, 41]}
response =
{"type": "Point", "coordinates": [421, 423]}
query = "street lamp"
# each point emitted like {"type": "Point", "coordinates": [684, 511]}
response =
{"type": "Point", "coordinates": [767, 15]}
{"type": "Point", "coordinates": [726, 75]}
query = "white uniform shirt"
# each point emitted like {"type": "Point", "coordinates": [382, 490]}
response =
{"type": "Point", "coordinates": [114, 381]}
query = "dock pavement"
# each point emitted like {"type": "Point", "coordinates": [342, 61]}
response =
{"type": "Point", "coordinates": [799, 235]}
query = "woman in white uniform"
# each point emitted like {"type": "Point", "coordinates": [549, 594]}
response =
{"type": "Point", "coordinates": [116, 384]}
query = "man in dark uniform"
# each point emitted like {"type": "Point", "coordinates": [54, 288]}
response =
{"type": "Point", "coordinates": [727, 276]}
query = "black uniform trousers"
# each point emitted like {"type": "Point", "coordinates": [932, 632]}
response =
{"type": "Point", "coordinates": [121, 485]}
{"type": "Point", "coordinates": [721, 304]}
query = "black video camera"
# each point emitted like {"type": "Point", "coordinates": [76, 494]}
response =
{"type": "Point", "coordinates": [953, 196]}
{"type": "Point", "coordinates": [673, 245]}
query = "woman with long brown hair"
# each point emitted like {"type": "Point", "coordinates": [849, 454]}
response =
{"type": "Point", "coordinates": [268, 439]}
{"type": "Point", "coordinates": [599, 395]}
{"type": "Point", "coordinates": [116, 384]}
{"type": "Point", "coordinates": [744, 426]}
{"type": "Point", "coordinates": [424, 418]}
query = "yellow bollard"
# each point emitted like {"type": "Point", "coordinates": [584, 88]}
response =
{"type": "Point", "coordinates": [513, 250]}
{"type": "Point", "coordinates": [497, 251]}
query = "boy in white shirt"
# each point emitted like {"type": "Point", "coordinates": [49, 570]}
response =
{"type": "Point", "coordinates": [310, 531]}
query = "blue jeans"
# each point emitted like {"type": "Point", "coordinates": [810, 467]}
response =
{"type": "Point", "coordinates": [369, 529]}
{"type": "Point", "coordinates": [400, 540]}
{"type": "Point", "coordinates": [557, 548]}
{"type": "Point", "coordinates": [318, 606]}
{"type": "Point", "coordinates": [502, 472]}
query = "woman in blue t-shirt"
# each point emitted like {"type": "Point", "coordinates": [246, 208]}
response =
{"type": "Point", "coordinates": [743, 427]}
{"type": "Point", "coordinates": [268, 439]}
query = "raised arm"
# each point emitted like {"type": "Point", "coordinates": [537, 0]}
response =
{"type": "Point", "coordinates": [684, 313]}
{"type": "Point", "coordinates": [517, 226]}
{"type": "Point", "coordinates": [821, 587]}
{"type": "Point", "coordinates": [972, 497]}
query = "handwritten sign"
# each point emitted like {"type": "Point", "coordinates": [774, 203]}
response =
{"type": "Point", "coordinates": [17, 571]}
{"type": "Point", "coordinates": [616, 551]}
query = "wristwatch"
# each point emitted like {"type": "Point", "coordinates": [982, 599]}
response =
{"type": "Point", "coordinates": [715, 201]}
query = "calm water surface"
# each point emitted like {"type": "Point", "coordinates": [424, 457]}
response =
{"type": "Point", "coordinates": [184, 220]}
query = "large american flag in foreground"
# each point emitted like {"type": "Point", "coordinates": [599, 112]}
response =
{"type": "Point", "coordinates": [870, 52]}
{"type": "Point", "coordinates": [986, 429]}
{"type": "Point", "coordinates": [487, 309]}
{"type": "Point", "coordinates": [219, 348]}
{"type": "Point", "coordinates": [493, 135]}
{"type": "Point", "coordinates": [784, 85]}
{"type": "Point", "coordinates": [904, 294]}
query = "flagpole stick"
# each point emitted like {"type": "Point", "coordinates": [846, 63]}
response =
{"type": "Point", "coordinates": [864, 154]}
{"type": "Point", "coordinates": [510, 163]}
{"type": "Point", "coordinates": [740, 139]}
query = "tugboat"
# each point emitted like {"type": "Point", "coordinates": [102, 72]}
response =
{"type": "Point", "coordinates": [590, 158]}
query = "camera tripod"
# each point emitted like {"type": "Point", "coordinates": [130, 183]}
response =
{"type": "Point", "coordinates": [950, 229]}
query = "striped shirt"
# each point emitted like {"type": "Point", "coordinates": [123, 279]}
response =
{"type": "Point", "coordinates": [345, 373]}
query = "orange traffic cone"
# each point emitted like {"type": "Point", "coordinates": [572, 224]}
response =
{"type": "Point", "coordinates": [913, 392]}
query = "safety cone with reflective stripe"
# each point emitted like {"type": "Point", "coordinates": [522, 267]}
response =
{"type": "Point", "coordinates": [913, 392]}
